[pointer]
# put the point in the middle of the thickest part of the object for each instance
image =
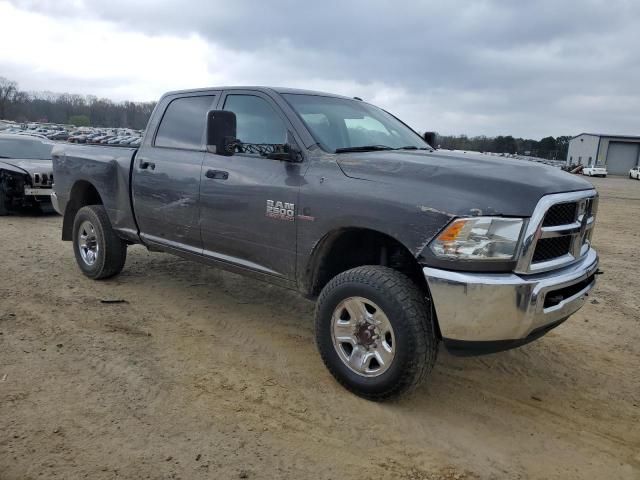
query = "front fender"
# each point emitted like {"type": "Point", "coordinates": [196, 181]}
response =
{"type": "Point", "coordinates": [12, 168]}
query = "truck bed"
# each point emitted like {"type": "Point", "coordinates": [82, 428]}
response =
{"type": "Point", "coordinates": [107, 169]}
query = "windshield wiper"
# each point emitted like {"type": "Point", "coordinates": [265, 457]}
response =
{"type": "Point", "coordinates": [411, 147]}
{"type": "Point", "coordinates": [364, 148]}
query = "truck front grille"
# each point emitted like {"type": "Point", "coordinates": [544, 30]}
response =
{"type": "Point", "coordinates": [560, 214]}
{"type": "Point", "coordinates": [42, 179]}
{"type": "Point", "coordinates": [559, 231]}
{"type": "Point", "coordinates": [550, 248]}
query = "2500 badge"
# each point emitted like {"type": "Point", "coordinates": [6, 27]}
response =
{"type": "Point", "coordinates": [280, 210]}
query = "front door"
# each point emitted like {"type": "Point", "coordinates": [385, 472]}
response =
{"type": "Point", "coordinates": [166, 175]}
{"type": "Point", "coordinates": [248, 202]}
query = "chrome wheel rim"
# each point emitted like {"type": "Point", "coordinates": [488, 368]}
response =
{"type": "Point", "coordinates": [88, 243]}
{"type": "Point", "coordinates": [363, 336]}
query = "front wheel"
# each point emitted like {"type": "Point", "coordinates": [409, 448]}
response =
{"type": "Point", "coordinates": [99, 252]}
{"type": "Point", "coordinates": [375, 332]}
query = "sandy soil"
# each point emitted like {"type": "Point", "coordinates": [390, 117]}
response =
{"type": "Point", "coordinates": [204, 374]}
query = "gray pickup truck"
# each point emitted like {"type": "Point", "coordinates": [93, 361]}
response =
{"type": "Point", "coordinates": [402, 245]}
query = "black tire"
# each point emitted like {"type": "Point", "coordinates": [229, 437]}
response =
{"type": "Point", "coordinates": [4, 198]}
{"type": "Point", "coordinates": [112, 250]}
{"type": "Point", "coordinates": [4, 201]}
{"type": "Point", "coordinates": [408, 312]}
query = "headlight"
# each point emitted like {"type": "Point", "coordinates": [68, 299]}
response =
{"type": "Point", "coordinates": [479, 238]}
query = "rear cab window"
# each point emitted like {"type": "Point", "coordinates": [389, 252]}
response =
{"type": "Point", "coordinates": [183, 123]}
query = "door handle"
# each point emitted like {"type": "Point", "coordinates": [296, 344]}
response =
{"type": "Point", "coordinates": [144, 164]}
{"type": "Point", "coordinates": [217, 174]}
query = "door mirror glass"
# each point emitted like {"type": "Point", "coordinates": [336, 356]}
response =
{"type": "Point", "coordinates": [221, 132]}
{"type": "Point", "coordinates": [430, 138]}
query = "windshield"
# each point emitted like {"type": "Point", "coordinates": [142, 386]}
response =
{"type": "Point", "coordinates": [25, 148]}
{"type": "Point", "coordinates": [340, 124]}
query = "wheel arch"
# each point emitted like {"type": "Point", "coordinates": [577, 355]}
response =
{"type": "Point", "coordinates": [83, 193]}
{"type": "Point", "coordinates": [365, 246]}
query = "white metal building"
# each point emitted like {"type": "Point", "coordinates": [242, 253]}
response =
{"type": "Point", "coordinates": [620, 153]}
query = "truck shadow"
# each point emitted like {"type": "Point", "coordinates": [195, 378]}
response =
{"type": "Point", "coordinates": [33, 212]}
{"type": "Point", "coordinates": [477, 403]}
{"type": "Point", "coordinates": [538, 365]}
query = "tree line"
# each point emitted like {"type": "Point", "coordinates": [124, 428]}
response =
{"type": "Point", "coordinates": [89, 110]}
{"type": "Point", "coordinates": [549, 147]}
{"type": "Point", "coordinates": [65, 108]}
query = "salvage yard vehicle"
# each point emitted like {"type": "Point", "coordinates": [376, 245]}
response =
{"type": "Point", "coordinates": [635, 173]}
{"type": "Point", "coordinates": [595, 171]}
{"type": "Point", "coordinates": [402, 245]}
{"type": "Point", "coordinates": [26, 172]}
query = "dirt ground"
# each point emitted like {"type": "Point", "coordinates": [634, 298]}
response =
{"type": "Point", "coordinates": [205, 374]}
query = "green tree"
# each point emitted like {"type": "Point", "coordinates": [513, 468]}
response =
{"type": "Point", "coordinates": [79, 120]}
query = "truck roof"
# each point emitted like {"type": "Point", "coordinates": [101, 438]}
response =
{"type": "Point", "coordinates": [280, 90]}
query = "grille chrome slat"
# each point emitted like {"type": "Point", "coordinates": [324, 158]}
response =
{"type": "Point", "coordinates": [559, 231]}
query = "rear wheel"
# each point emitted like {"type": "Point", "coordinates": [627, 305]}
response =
{"type": "Point", "coordinates": [375, 332]}
{"type": "Point", "coordinates": [99, 252]}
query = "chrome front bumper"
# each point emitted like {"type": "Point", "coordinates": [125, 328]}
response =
{"type": "Point", "coordinates": [507, 307]}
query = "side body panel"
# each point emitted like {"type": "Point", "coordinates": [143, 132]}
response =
{"type": "Point", "coordinates": [166, 198]}
{"type": "Point", "coordinates": [248, 205]}
{"type": "Point", "coordinates": [166, 186]}
{"type": "Point", "coordinates": [331, 202]}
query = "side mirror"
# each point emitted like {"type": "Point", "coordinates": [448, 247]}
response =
{"type": "Point", "coordinates": [288, 153]}
{"type": "Point", "coordinates": [221, 132]}
{"type": "Point", "coordinates": [430, 138]}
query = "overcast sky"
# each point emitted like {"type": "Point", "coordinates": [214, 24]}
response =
{"type": "Point", "coordinates": [492, 67]}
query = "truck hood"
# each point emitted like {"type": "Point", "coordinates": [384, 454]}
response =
{"type": "Point", "coordinates": [28, 166]}
{"type": "Point", "coordinates": [462, 184]}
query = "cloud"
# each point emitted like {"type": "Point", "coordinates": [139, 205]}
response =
{"type": "Point", "coordinates": [477, 67]}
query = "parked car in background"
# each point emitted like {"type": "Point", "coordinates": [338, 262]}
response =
{"type": "Point", "coordinates": [26, 172]}
{"type": "Point", "coordinates": [58, 136]}
{"type": "Point", "coordinates": [98, 138]}
{"type": "Point", "coordinates": [595, 171]}
{"type": "Point", "coordinates": [127, 140]}
{"type": "Point", "coordinates": [635, 173]}
{"type": "Point", "coordinates": [79, 139]}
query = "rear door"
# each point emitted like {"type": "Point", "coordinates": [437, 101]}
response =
{"type": "Point", "coordinates": [166, 173]}
{"type": "Point", "coordinates": [248, 202]}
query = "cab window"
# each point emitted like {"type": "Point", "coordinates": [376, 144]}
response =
{"type": "Point", "coordinates": [257, 122]}
{"type": "Point", "coordinates": [183, 123]}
